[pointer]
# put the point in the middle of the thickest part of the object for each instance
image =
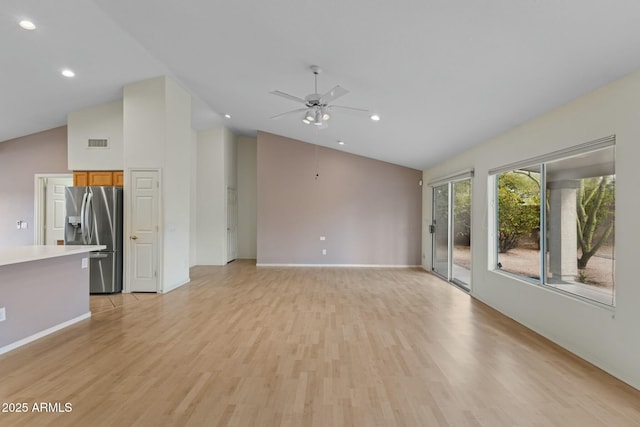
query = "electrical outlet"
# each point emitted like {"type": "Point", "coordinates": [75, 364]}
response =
{"type": "Point", "coordinates": [324, 252]}
{"type": "Point", "coordinates": [85, 262]}
{"type": "Point", "coordinates": [3, 314]}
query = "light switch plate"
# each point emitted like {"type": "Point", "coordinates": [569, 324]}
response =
{"type": "Point", "coordinates": [323, 238]}
{"type": "Point", "coordinates": [3, 314]}
{"type": "Point", "coordinates": [85, 262]}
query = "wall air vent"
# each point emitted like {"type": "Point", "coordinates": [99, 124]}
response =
{"type": "Point", "coordinates": [97, 143]}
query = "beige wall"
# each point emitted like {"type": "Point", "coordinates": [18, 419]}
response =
{"type": "Point", "coordinates": [20, 159]}
{"type": "Point", "coordinates": [368, 210]}
{"type": "Point", "coordinates": [40, 295]}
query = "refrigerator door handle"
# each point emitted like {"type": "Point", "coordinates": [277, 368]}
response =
{"type": "Point", "coordinates": [82, 219]}
{"type": "Point", "coordinates": [89, 211]}
{"type": "Point", "coordinates": [98, 255]}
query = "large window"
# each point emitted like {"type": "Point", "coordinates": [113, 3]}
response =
{"type": "Point", "coordinates": [555, 220]}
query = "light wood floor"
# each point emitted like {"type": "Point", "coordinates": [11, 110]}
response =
{"type": "Point", "coordinates": [247, 346]}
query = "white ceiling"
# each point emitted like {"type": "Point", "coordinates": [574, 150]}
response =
{"type": "Point", "coordinates": [443, 75]}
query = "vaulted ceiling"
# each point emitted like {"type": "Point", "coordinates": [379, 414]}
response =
{"type": "Point", "coordinates": [443, 75]}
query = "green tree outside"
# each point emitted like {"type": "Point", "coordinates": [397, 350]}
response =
{"type": "Point", "coordinates": [462, 212]}
{"type": "Point", "coordinates": [596, 204]}
{"type": "Point", "coordinates": [518, 207]}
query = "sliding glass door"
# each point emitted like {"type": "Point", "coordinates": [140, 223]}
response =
{"type": "Point", "coordinates": [461, 233]}
{"type": "Point", "coordinates": [441, 230]}
{"type": "Point", "coordinates": [452, 231]}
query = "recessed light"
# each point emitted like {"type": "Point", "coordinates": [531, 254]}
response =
{"type": "Point", "coordinates": [68, 73]}
{"type": "Point", "coordinates": [340, 142]}
{"type": "Point", "coordinates": [228, 116]}
{"type": "Point", "coordinates": [375, 117]}
{"type": "Point", "coordinates": [27, 25]}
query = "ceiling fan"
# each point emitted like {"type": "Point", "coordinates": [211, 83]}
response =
{"type": "Point", "coordinates": [317, 108]}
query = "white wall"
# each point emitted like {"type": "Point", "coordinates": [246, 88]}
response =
{"type": "Point", "coordinates": [157, 134]}
{"type": "Point", "coordinates": [216, 170]}
{"type": "Point", "coordinates": [606, 337]}
{"type": "Point", "coordinates": [102, 121]}
{"type": "Point", "coordinates": [144, 124]}
{"type": "Point", "coordinates": [193, 172]}
{"type": "Point", "coordinates": [230, 159]}
{"type": "Point", "coordinates": [211, 222]}
{"type": "Point", "coordinates": [176, 183]}
{"type": "Point", "coordinates": [247, 197]}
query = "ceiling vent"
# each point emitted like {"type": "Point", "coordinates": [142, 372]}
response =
{"type": "Point", "coordinates": [98, 143]}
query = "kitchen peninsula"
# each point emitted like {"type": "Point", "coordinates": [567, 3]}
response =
{"type": "Point", "coordinates": [42, 289]}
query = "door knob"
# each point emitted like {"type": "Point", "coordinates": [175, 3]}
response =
{"type": "Point", "coordinates": [134, 237]}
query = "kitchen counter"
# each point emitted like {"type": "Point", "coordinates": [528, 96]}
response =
{"type": "Point", "coordinates": [20, 254]}
{"type": "Point", "coordinates": [42, 290]}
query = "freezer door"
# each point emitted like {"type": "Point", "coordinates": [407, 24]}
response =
{"type": "Point", "coordinates": [75, 201]}
{"type": "Point", "coordinates": [104, 217]}
{"type": "Point", "coordinates": [105, 273]}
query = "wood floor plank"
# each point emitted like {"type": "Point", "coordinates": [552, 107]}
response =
{"type": "Point", "coordinates": [244, 346]}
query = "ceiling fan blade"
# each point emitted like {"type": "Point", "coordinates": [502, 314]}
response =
{"type": "Point", "coordinates": [350, 108]}
{"type": "Point", "coordinates": [299, 110]}
{"type": "Point", "coordinates": [333, 94]}
{"type": "Point", "coordinates": [286, 95]}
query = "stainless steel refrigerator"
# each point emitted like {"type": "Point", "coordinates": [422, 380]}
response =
{"type": "Point", "coordinates": [94, 217]}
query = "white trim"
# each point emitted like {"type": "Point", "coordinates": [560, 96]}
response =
{"type": "Point", "coordinates": [598, 144]}
{"type": "Point", "coordinates": [44, 333]}
{"type": "Point", "coordinates": [337, 265]}
{"type": "Point", "coordinates": [556, 290]}
{"type": "Point", "coordinates": [38, 202]}
{"type": "Point", "coordinates": [179, 284]}
{"type": "Point", "coordinates": [458, 176]}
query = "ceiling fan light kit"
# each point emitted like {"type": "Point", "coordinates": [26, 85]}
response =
{"type": "Point", "coordinates": [317, 109]}
{"type": "Point", "coordinates": [309, 116]}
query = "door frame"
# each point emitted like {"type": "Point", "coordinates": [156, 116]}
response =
{"type": "Point", "coordinates": [39, 204]}
{"type": "Point", "coordinates": [466, 287]}
{"type": "Point", "coordinates": [434, 235]}
{"type": "Point", "coordinates": [229, 256]}
{"type": "Point", "coordinates": [126, 246]}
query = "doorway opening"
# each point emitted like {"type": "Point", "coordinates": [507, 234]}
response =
{"type": "Point", "coordinates": [49, 208]}
{"type": "Point", "coordinates": [451, 232]}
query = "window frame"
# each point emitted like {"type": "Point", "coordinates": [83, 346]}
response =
{"type": "Point", "coordinates": [541, 162]}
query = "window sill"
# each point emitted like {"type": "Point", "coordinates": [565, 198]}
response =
{"type": "Point", "coordinates": [576, 291]}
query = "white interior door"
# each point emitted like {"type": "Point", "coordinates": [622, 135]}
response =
{"type": "Point", "coordinates": [143, 231]}
{"type": "Point", "coordinates": [55, 211]}
{"type": "Point", "coordinates": [232, 224]}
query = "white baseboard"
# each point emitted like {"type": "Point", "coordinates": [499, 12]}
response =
{"type": "Point", "coordinates": [337, 265]}
{"type": "Point", "coordinates": [44, 333]}
{"type": "Point", "coordinates": [176, 286]}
